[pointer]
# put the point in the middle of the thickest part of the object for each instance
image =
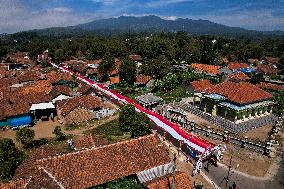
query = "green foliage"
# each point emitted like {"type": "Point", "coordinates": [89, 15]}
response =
{"type": "Point", "coordinates": [25, 135]}
{"type": "Point", "coordinates": [58, 133]}
{"type": "Point", "coordinates": [157, 67]}
{"type": "Point", "coordinates": [126, 116]}
{"type": "Point", "coordinates": [129, 182]}
{"type": "Point", "coordinates": [59, 55]}
{"type": "Point", "coordinates": [278, 98]}
{"type": "Point", "coordinates": [256, 78]}
{"type": "Point", "coordinates": [106, 66]}
{"type": "Point", "coordinates": [10, 158]}
{"type": "Point", "coordinates": [168, 83]}
{"type": "Point", "coordinates": [36, 143]}
{"type": "Point", "coordinates": [138, 124]}
{"type": "Point", "coordinates": [128, 71]}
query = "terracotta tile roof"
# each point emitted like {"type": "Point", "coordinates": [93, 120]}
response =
{"type": "Point", "coordinates": [8, 81]}
{"type": "Point", "coordinates": [201, 85]}
{"type": "Point", "coordinates": [143, 79]}
{"type": "Point", "coordinates": [58, 90]}
{"type": "Point", "coordinates": [182, 181]}
{"type": "Point", "coordinates": [19, 184]}
{"type": "Point", "coordinates": [237, 65]}
{"type": "Point", "coordinates": [55, 76]}
{"type": "Point", "coordinates": [29, 76]}
{"type": "Point", "coordinates": [84, 142]}
{"type": "Point", "coordinates": [9, 108]}
{"type": "Point", "coordinates": [271, 60]}
{"type": "Point", "coordinates": [79, 115]}
{"type": "Point", "coordinates": [238, 76]}
{"type": "Point", "coordinates": [135, 57]}
{"type": "Point", "coordinates": [43, 86]}
{"type": "Point", "coordinates": [240, 92]}
{"type": "Point", "coordinates": [92, 71]}
{"type": "Point", "coordinates": [86, 101]}
{"type": "Point", "coordinates": [266, 68]}
{"type": "Point", "coordinates": [271, 86]}
{"type": "Point", "coordinates": [206, 68]}
{"type": "Point", "coordinates": [99, 165]}
{"type": "Point", "coordinates": [84, 88]}
{"type": "Point", "coordinates": [114, 80]}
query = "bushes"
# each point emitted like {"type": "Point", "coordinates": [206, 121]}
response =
{"type": "Point", "coordinates": [25, 135]}
{"type": "Point", "coordinates": [59, 134]}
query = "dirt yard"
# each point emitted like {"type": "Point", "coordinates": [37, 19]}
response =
{"type": "Point", "coordinates": [259, 134]}
{"type": "Point", "coordinates": [246, 161]}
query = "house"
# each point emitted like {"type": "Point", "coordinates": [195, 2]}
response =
{"type": "Point", "coordinates": [243, 67]}
{"type": "Point", "coordinates": [78, 109]}
{"type": "Point", "coordinates": [271, 86]}
{"type": "Point", "coordinates": [181, 181]}
{"type": "Point", "coordinates": [43, 57]}
{"type": "Point", "coordinates": [200, 85]}
{"type": "Point", "coordinates": [137, 59]}
{"type": "Point", "coordinates": [94, 166]}
{"type": "Point", "coordinates": [206, 68]}
{"type": "Point", "coordinates": [84, 89]}
{"type": "Point", "coordinates": [235, 101]}
{"type": "Point", "coordinates": [142, 80]}
{"type": "Point", "coordinates": [267, 69]}
{"type": "Point", "coordinates": [237, 76]}
{"type": "Point", "coordinates": [148, 100]}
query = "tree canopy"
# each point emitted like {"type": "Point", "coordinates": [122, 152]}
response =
{"type": "Point", "coordinates": [25, 135]}
{"type": "Point", "coordinates": [10, 158]}
{"type": "Point", "coordinates": [137, 123]}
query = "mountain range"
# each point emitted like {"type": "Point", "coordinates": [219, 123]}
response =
{"type": "Point", "coordinates": [149, 24]}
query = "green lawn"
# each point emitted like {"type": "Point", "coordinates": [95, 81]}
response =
{"type": "Point", "coordinates": [110, 131]}
{"type": "Point", "coordinates": [175, 95]}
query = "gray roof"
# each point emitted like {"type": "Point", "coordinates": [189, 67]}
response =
{"type": "Point", "coordinates": [148, 99]}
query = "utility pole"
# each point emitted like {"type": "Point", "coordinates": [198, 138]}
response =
{"type": "Point", "coordinates": [174, 172]}
{"type": "Point", "coordinates": [230, 166]}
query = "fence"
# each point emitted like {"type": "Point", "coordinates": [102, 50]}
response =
{"type": "Point", "coordinates": [264, 147]}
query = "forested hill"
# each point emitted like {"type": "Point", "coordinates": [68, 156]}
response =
{"type": "Point", "coordinates": [149, 24]}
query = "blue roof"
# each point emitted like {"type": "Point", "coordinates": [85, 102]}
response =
{"type": "Point", "coordinates": [215, 96]}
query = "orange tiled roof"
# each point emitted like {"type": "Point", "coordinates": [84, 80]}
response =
{"type": "Point", "coordinates": [114, 80]}
{"type": "Point", "coordinates": [135, 57]}
{"type": "Point", "coordinates": [271, 86]}
{"type": "Point", "coordinates": [91, 167]}
{"type": "Point", "coordinates": [182, 181]}
{"type": "Point", "coordinates": [240, 92]}
{"type": "Point", "coordinates": [143, 79]}
{"type": "Point", "coordinates": [19, 184]}
{"type": "Point", "coordinates": [210, 69]}
{"type": "Point", "coordinates": [238, 76]}
{"type": "Point", "coordinates": [86, 101]}
{"type": "Point", "coordinates": [266, 69]}
{"type": "Point", "coordinates": [237, 65]}
{"type": "Point", "coordinates": [39, 86]}
{"type": "Point", "coordinates": [201, 85]}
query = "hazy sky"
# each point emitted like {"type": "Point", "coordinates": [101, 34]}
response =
{"type": "Point", "coordinates": [18, 15]}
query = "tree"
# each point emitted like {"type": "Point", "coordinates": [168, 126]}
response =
{"type": "Point", "coordinates": [59, 55]}
{"type": "Point", "coordinates": [128, 71]}
{"type": "Point", "coordinates": [256, 78]}
{"type": "Point", "coordinates": [10, 158]}
{"type": "Point", "coordinates": [168, 83]}
{"type": "Point", "coordinates": [278, 98]}
{"type": "Point", "coordinates": [138, 124]}
{"type": "Point", "coordinates": [125, 117]}
{"type": "Point", "coordinates": [58, 133]}
{"type": "Point", "coordinates": [105, 67]}
{"type": "Point", "coordinates": [156, 67]}
{"type": "Point", "coordinates": [25, 135]}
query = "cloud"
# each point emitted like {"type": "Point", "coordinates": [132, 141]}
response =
{"type": "Point", "coordinates": [17, 16]}
{"type": "Point", "coordinates": [160, 3]}
{"type": "Point", "coordinates": [250, 19]}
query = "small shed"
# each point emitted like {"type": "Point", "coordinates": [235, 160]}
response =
{"type": "Point", "coordinates": [148, 100]}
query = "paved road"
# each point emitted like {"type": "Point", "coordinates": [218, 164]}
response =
{"type": "Point", "coordinates": [217, 174]}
